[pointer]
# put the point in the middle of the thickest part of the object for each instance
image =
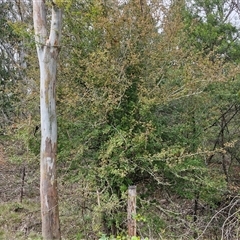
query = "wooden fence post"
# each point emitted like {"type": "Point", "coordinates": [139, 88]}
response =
{"type": "Point", "coordinates": [131, 211]}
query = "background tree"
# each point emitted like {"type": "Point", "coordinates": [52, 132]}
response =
{"type": "Point", "coordinates": [149, 131]}
{"type": "Point", "coordinates": [12, 65]}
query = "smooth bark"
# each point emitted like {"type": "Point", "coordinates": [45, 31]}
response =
{"type": "Point", "coordinates": [48, 49]}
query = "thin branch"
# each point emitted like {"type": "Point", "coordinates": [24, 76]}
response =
{"type": "Point", "coordinates": [214, 216]}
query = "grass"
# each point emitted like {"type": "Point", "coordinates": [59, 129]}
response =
{"type": "Point", "coordinates": [20, 220]}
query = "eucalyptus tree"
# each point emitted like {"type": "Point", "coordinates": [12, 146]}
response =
{"type": "Point", "coordinates": [48, 47]}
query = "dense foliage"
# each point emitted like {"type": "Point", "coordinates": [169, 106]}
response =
{"type": "Point", "coordinates": [148, 95]}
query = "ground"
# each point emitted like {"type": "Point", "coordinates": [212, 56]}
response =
{"type": "Point", "coordinates": [20, 215]}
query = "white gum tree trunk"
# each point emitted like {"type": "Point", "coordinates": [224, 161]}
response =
{"type": "Point", "coordinates": [48, 47]}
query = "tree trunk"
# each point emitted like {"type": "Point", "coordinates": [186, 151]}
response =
{"type": "Point", "coordinates": [47, 50]}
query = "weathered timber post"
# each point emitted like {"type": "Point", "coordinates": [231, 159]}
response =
{"type": "Point", "coordinates": [131, 211]}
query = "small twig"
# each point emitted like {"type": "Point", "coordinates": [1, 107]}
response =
{"type": "Point", "coordinates": [22, 185]}
{"type": "Point", "coordinates": [98, 198]}
{"type": "Point", "coordinates": [214, 216]}
{"type": "Point", "coordinates": [228, 218]}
